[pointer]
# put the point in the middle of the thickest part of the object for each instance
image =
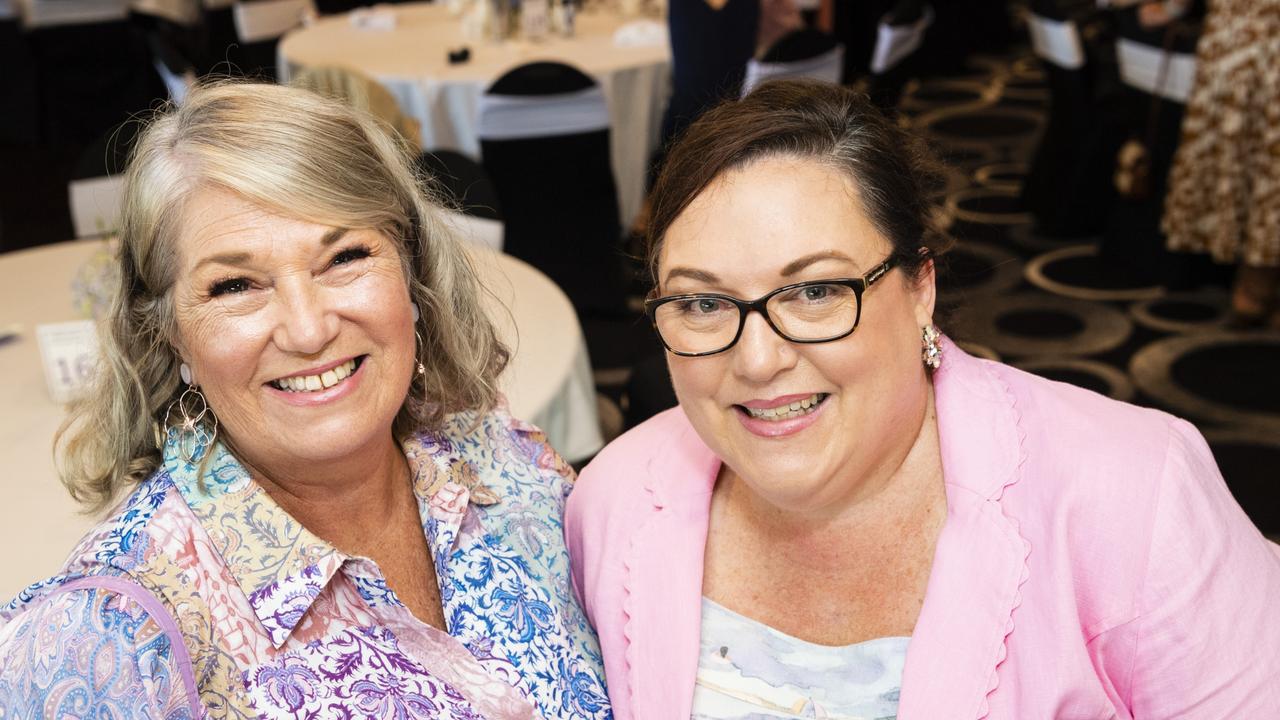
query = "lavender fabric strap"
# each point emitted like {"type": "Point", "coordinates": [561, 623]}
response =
{"type": "Point", "coordinates": [160, 614]}
{"type": "Point", "coordinates": [518, 117]}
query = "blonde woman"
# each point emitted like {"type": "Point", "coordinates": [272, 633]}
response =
{"type": "Point", "coordinates": [326, 511]}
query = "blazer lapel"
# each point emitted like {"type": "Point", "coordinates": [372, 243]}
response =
{"type": "Point", "coordinates": [981, 560]}
{"type": "Point", "coordinates": [664, 580]}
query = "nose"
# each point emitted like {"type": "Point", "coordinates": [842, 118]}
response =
{"type": "Point", "coordinates": [761, 353]}
{"type": "Point", "coordinates": [306, 323]}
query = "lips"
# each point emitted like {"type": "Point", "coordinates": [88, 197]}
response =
{"type": "Point", "coordinates": [785, 410]}
{"type": "Point", "coordinates": [318, 381]}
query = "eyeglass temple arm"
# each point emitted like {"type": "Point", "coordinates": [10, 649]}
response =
{"type": "Point", "coordinates": [878, 272]}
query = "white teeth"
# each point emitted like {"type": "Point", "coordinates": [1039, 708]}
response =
{"type": "Point", "coordinates": [788, 411]}
{"type": "Point", "coordinates": [312, 383]}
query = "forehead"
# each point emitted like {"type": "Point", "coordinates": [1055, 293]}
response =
{"type": "Point", "coordinates": [216, 222]}
{"type": "Point", "coordinates": [218, 216]}
{"type": "Point", "coordinates": [754, 220]}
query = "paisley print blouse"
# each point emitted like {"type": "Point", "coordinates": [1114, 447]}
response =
{"type": "Point", "coordinates": [200, 597]}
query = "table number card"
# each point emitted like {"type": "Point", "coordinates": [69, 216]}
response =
{"type": "Point", "coordinates": [69, 352]}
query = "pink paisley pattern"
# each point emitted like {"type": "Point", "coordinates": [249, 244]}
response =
{"type": "Point", "coordinates": [250, 615]}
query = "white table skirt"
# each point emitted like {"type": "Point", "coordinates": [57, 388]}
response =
{"type": "Point", "coordinates": [410, 61]}
{"type": "Point", "coordinates": [548, 383]}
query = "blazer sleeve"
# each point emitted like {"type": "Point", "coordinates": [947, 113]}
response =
{"type": "Point", "coordinates": [1208, 636]}
{"type": "Point", "coordinates": [92, 650]}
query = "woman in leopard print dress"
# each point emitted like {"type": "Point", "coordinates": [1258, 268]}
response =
{"type": "Point", "coordinates": [1224, 188]}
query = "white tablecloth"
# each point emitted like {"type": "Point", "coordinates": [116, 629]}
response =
{"type": "Point", "coordinates": [411, 62]}
{"type": "Point", "coordinates": [549, 383]}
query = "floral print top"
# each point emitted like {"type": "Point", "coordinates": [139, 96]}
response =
{"type": "Point", "coordinates": [750, 671]}
{"type": "Point", "coordinates": [201, 597]}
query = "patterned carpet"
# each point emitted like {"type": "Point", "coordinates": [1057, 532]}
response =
{"type": "Point", "coordinates": [1048, 306]}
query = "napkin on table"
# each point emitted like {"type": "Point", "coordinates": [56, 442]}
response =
{"type": "Point", "coordinates": [378, 17]}
{"type": "Point", "coordinates": [641, 33]}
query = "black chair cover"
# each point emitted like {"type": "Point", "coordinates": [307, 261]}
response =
{"type": "Point", "coordinates": [91, 77]}
{"type": "Point", "coordinates": [464, 182]}
{"type": "Point", "coordinates": [1068, 188]}
{"type": "Point", "coordinates": [800, 45]}
{"type": "Point", "coordinates": [1132, 240]}
{"type": "Point", "coordinates": [556, 189]}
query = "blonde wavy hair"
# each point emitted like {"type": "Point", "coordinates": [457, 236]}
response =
{"type": "Point", "coordinates": [293, 153]}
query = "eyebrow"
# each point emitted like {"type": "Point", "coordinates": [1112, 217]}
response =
{"type": "Point", "coordinates": [799, 264]}
{"type": "Point", "coordinates": [790, 269]}
{"type": "Point", "coordinates": [243, 258]}
{"type": "Point", "coordinates": [693, 274]}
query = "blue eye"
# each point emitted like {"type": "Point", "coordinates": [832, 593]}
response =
{"type": "Point", "coordinates": [816, 292]}
{"type": "Point", "coordinates": [702, 306]}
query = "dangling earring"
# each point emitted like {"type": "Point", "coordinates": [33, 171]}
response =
{"type": "Point", "coordinates": [417, 348]}
{"type": "Point", "coordinates": [417, 355]}
{"type": "Point", "coordinates": [931, 349]}
{"type": "Point", "coordinates": [195, 435]}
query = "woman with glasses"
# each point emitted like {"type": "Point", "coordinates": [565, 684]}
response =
{"type": "Point", "coordinates": [849, 517]}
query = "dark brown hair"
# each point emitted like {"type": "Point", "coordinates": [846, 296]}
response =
{"type": "Point", "coordinates": [897, 180]}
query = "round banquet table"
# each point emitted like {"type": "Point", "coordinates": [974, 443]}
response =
{"type": "Point", "coordinates": [410, 61]}
{"type": "Point", "coordinates": [548, 382]}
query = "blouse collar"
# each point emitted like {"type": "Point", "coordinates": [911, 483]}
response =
{"type": "Point", "coordinates": [278, 563]}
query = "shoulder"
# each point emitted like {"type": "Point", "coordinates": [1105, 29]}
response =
{"type": "Point", "coordinates": [639, 461]}
{"type": "Point", "coordinates": [44, 648]}
{"type": "Point", "coordinates": [116, 546]}
{"type": "Point", "coordinates": [1093, 438]}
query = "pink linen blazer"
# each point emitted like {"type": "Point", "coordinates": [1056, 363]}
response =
{"type": "Point", "coordinates": [1092, 564]}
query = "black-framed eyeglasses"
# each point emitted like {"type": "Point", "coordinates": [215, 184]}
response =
{"type": "Point", "coordinates": [814, 311]}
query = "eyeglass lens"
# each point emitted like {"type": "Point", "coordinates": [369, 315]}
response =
{"type": "Point", "coordinates": [707, 323]}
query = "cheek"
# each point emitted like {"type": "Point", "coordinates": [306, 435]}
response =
{"type": "Point", "coordinates": [691, 379]}
{"type": "Point", "coordinates": [219, 346]}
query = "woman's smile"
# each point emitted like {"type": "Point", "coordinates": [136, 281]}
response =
{"type": "Point", "coordinates": [781, 416]}
{"type": "Point", "coordinates": [320, 385]}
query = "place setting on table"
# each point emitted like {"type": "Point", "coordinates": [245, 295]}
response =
{"type": "Point", "coordinates": [49, 306]}
{"type": "Point", "coordinates": [438, 59]}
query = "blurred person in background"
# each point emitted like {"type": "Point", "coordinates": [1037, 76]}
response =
{"type": "Point", "coordinates": [1224, 187]}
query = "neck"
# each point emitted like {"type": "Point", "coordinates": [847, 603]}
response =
{"type": "Point", "coordinates": [342, 501]}
{"type": "Point", "coordinates": [894, 500]}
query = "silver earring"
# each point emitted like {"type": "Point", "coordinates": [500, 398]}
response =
{"type": "Point", "coordinates": [195, 425]}
{"type": "Point", "coordinates": [931, 349]}
{"type": "Point", "coordinates": [416, 312]}
{"type": "Point", "coordinates": [184, 371]}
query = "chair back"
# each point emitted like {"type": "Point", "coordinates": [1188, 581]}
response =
{"type": "Point", "coordinates": [1160, 62]}
{"type": "Point", "coordinates": [1056, 41]}
{"type": "Point", "coordinates": [262, 20]}
{"type": "Point", "coordinates": [544, 139]}
{"type": "Point", "coordinates": [896, 40]}
{"type": "Point", "coordinates": [1153, 71]}
{"type": "Point", "coordinates": [95, 205]}
{"type": "Point", "coordinates": [362, 92]}
{"type": "Point", "coordinates": [464, 182]}
{"type": "Point", "coordinates": [805, 53]}
{"type": "Point", "coordinates": [95, 192]}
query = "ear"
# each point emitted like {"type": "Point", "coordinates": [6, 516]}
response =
{"type": "Point", "coordinates": [924, 294]}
